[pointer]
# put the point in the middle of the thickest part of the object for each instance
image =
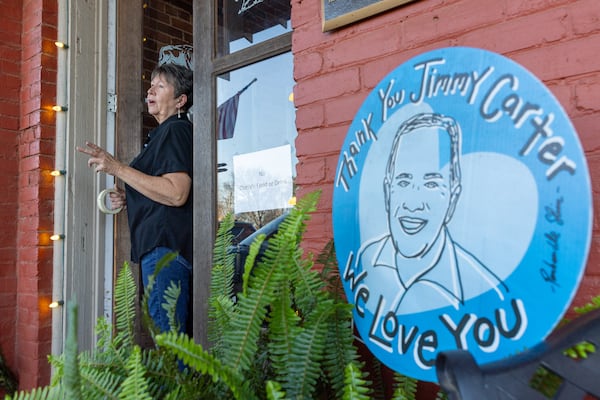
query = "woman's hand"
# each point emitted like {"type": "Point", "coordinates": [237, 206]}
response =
{"type": "Point", "coordinates": [117, 199]}
{"type": "Point", "coordinates": [100, 159]}
{"type": "Point", "coordinates": [171, 189]}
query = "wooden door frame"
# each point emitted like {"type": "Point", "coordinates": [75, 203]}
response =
{"type": "Point", "coordinates": [129, 128]}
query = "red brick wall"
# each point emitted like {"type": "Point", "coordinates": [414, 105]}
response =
{"type": "Point", "coordinates": [165, 23]}
{"type": "Point", "coordinates": [558, 41]}
{"type": "Point", "coordinates": [34, 222]}
{"type": "Point", "coordinates": [10, 81]}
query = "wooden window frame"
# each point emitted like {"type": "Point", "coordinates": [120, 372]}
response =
{"type": "Point", "coordinates": [206, 69]}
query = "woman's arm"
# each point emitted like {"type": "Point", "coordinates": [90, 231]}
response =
{"type": "Point", "coordinates": [170, 189]}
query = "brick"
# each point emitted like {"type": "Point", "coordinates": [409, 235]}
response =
{"type": "Point", "coordinates": [587, 128]}
{"type": "Point", "coordinates": [313, 171]}
{"type": "Point", "coordinates": [338, 83]}
{"type": "Point", "coordinates": [11, 83]}
{"type": "Point", "coordinates": [310, 117]}
{"type": "Point", "coordinates": [587, 95]}
{"type": "Point", "coordinates": [524, 32]}
{"type": "Point", "coordinates": [30, 163]}
{"type": "Point", "coordinates": [343, 109]}
{"type": "Point", "coordinates": [8, 108]}
{"type": "Point", "coordinates": [10, 69]}
{"type": "Point", "coordinates": [563, 60]}
{"type": "Point", "coordinates": [303, 11]}
{"type": "Point", "coordinates": [308, 139]}
{"type": "Point", "coordinates": [10, 30]}
{"type": "Point", "coordinates": [450, 20]}
{"type": "Point", "coordinates": [382, 41]}
{"type": "Point", "coordinates": [307, 37]}
{"type": "Point", "coordinates": [373, 72]}
{"type": "Point", "coordinates": [11, 11]}
{"type": "Point", "coordinates": [32, 20]}
{"type": "Point", "coordinates": [7, 164]}
{"type": "Point", "coordinates": [564, 94]}
{"type": "Point", "coordinates": [584, 16]}
{"type": "Point", "coordinates": [9, 123]}
{"type": "Point", "coordinates": [307, 64]}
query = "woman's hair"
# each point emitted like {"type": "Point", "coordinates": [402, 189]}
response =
{"type": "Point", "coordinates": [182, 79]}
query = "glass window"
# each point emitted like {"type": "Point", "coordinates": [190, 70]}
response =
{"type": "Point", "coordinates": [243, 23]}
{"type": "Point", "coordinates": [256, 133]}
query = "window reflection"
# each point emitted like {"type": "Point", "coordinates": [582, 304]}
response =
{"type": "Point", "coordinates": [242, 23]}
{"type": "Point", "coordinates": [256, 147]}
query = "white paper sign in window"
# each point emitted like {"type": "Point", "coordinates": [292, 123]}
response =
{"type": "Point", "coordinates": [263, 179]}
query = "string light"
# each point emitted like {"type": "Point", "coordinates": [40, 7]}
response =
{"type": "Point", "coordinates": [56, 304]}
{"type": "Point", "coordinates": [57, 236]}
{"type": "Point", "coordinates": [58, 108]}
{"type": "Point", "coordinates": [61, 45]}
{"type": "Point", "coordinates": [58, 172]}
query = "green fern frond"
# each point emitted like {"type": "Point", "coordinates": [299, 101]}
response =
{"type": "Point", "coordinates": [104, 334]}
{"type": "Point", "coordinates": [304, 364]}
{"type": "Point", "coordinates": [162, 371]}
{"type": "Point", "coordinates": [593, 305]}
{"type": "Point", "coordinates": [240, 341]}
{"type": "Point", "coordinates": [308, 286]}
{"type": "Point", "coordinates": [405, 387]}
{"type": "Point", "coordinates": [274, 391]}
{"type": "Point", "coordinates": [356, 388]}
{"type": "Point", "coordinates": [125, 295]}
{"type": "Point", "coordinates": [41, 393]}
{"type": "Point", "coordinates": [110, 350]}
{"type": "Point", "coordinates": [220, 303]}
{"type": "Point", "coordinates": [340, 347]}
{"type": "Point", "coordinates": [221, 254]}
{"type": "Point", "coordinates": [222, 311]}
{"type": "Point", "coordinates": [135, 386]}
{"type": "Point", "coordinates": [99, 383]}
{"type": "Point", "coordinates": [581, 350]}
{"type": "Point", "coordinates": [378, 385]}
{"type": "Point", "coordinates": [250, 260]}
{"type": "Point", "coordinates": [170, 305]}
{"type": "Point", "coordinates": [330, 273]}
{"type": "Point", "coordinates": [165, 261]}
{"type": "Point", "coordinates": [71, 380]}
{"type": "Point", "coordinates": [305, 206]}
{"type": "Point", "coordinates": [196, 357]}
{"type": "Point", "coordinates": [283, 330]}
{"type": "Point", "coordinates": [284, 251]}
{"type": "Point", "coordinates": [57, 363]}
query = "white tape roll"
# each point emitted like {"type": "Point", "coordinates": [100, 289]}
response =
{"type": "Point", "coordinates": [101, 200]}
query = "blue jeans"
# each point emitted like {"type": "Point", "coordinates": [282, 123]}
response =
{"type": "Point", "coordinates": [178, 271]}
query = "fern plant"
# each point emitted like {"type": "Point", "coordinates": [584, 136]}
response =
{"type": "Point", "coordinates": [117, 368]}
{"type": "Point", "coordinates": [286, 335]}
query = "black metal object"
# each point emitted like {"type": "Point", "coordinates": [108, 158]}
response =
{"type": "Point", "coordinates": [578, 378]}
{"type": "Point", "coordinates": [242, 248]}
{"type": "Point", "coordinates": [221, 167]}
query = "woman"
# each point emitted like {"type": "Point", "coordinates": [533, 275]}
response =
{"type": "Point", "coordinates": [158, 191]}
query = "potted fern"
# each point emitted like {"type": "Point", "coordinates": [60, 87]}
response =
{"type": "Point", "coordinates": [286, 335]}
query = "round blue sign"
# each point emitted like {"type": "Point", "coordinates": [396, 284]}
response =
{"type": "Point", "coordinates": [462, 211]}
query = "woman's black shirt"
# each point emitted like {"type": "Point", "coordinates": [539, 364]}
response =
{"type": "Point", "coordinates": [152, 224]}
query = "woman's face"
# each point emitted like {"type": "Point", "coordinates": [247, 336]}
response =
{"type": "Point", "coordinates": [161, 99]}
